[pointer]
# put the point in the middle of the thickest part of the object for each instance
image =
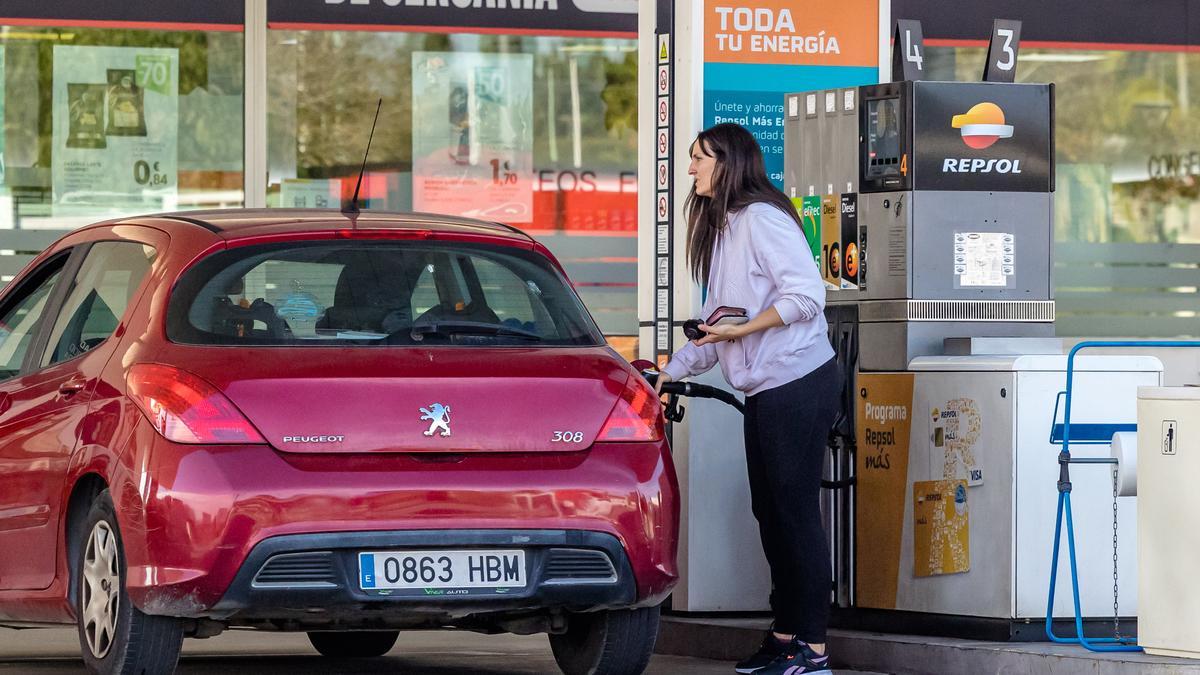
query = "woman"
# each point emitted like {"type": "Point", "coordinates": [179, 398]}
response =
{"type": "Point", "coordinates": [745, 240]}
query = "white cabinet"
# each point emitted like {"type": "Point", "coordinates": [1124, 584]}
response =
{"type": "Point", "coordinates": [1168, 503]}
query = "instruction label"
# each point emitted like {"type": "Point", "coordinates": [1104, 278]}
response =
{"type": "Point", "coordinates": [983, 259]}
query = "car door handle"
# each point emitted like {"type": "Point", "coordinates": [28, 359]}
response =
{"type": "Point", "coordinates": [72, 386]}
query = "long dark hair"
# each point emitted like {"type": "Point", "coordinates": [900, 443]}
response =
{"type": "Point", "coordinates": [738, 180]}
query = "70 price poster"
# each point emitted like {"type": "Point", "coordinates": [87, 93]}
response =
{"type": "Point", "coordinates": [115, 129]}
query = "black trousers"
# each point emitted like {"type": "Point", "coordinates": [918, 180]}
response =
{"type": "Point", "coordinates": [786, 433]}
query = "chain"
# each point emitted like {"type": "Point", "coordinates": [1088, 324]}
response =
{"type": "Point", "coordinates": [1116, 614]}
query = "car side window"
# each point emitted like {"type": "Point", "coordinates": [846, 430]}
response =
{"type": "Point", "coordinates": [101, 292]}
{"type": "Point", "coordinates": [20, 319]}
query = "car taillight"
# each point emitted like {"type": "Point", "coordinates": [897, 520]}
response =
{"type": "Point", "coordinates": [186, 409]}
{"type": "Point", "coordinates": [636, 417]}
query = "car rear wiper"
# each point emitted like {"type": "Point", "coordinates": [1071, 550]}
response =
{"type": "Point", "coordinates": [449, 328]}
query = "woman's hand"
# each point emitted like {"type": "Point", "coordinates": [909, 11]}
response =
{"type": "Point", "coordinates": [768, 318]}
{"type": "Point", "coordinates": [663, 378]}
{"type": "Point", "coordinates": [721, 333]}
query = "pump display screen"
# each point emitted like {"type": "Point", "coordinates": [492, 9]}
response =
{"type": "Point", "coordinates": [884, 138]}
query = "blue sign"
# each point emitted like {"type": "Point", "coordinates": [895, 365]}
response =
{"type": "Point", "coordinates": [751, 94]}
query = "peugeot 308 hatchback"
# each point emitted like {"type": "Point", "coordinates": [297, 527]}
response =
{"type": "Point", "coordinates": [304, 421]}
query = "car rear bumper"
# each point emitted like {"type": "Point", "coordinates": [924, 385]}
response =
{"type": "Point", "coordinates": [193, 518]}
{"type": "Point", "coordinates": [313, 579]}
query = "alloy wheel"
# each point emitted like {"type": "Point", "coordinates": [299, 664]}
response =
{"type": "Point", "coordinates": [101, 589]}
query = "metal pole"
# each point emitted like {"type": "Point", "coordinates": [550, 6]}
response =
{"type": "Point", "coordinates": [254, 97]}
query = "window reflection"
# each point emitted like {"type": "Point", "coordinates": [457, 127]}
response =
{"type": "Point", "coordinates": [106, 122]}
{"type": "Point", "coordinates": [539, 132]}
{"type": "Point", "coordinates": [1127, 197]}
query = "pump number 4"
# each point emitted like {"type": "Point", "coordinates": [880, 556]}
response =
{"type": "Point", "coordinates": [912, 50]}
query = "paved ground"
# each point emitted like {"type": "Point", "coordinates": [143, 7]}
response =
{"type": "Point", "coordinates": [42, 652]}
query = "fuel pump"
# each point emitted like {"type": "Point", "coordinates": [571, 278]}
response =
{"type": "Point", "coordinates": [929, 210]}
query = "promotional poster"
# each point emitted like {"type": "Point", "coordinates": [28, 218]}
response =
{"type": "Point", "coordinates": [115, 129]}
{"type": "Point", "coordinates": [476, 158]}
{"type": "Point", "coordinates": [941, 539]}
{"type": "Point", "coordinates": [851, 257]}
{"type": "Point", "coordinates": [755, 52]}
{"type": "Point", "coordinates": [884, 415]}
{"type": "Point", "coordinates": [831, 247]}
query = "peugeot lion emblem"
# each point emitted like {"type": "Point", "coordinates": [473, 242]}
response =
{"type": "Point", "coordinates": [439, 418]}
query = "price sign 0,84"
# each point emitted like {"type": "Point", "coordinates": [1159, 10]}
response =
{"type": "Point", "coordinates": [149, 174]}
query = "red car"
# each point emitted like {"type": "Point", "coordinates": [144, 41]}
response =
{"type": "Point", "coordinates": [344, 425]}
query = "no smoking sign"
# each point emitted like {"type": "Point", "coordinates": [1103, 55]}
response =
{"type": "Point", "coordinates": [664, 110]}
{"type": "Point", "coordinates": [663, 143]}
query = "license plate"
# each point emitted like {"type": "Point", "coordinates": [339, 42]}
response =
{"type": "Point", "coordinates": [441, 569]}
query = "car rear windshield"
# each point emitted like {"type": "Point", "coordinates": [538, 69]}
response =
{"type": "Point", "coordinates": [378, 293]}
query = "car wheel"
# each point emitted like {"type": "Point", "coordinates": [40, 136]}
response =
{"type": "Point", "coordinates": [615, 642]}
{"type": "Point", "coordinates": [116, 637]}
{"type": "Point", "coordinates": [355, 644]}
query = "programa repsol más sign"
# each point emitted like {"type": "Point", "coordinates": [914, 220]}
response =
{"type": "Point", "coordinates": [615, 17]}
{"type": "Point", "coordinates": [983, 136]}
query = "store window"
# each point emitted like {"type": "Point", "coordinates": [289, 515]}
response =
{"type": "Point", "coordinates": [537, 131]}
{"type": "Point", "coordinates": [100, 122]}
{"type": "Point", "coordinates": [1127, 200]}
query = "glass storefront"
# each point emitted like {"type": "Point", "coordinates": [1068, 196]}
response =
{"type": "Point", "coordinates": [526, 117]}
{"type": "Point", "coordinates": [539, 132]}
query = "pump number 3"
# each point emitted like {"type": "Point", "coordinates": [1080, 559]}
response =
{"type": "Point", "coordinates": [567, 437]}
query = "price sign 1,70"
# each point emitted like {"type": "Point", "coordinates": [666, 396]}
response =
{"type": "Point", "coordinates": [502, 173]}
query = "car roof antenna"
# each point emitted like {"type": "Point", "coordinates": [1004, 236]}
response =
{"type": "Point", "coordinates": [351, 209]}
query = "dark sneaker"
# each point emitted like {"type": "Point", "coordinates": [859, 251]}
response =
{"type": "Point", "coordinates": [770, 649]}
{"type": "Point", "coordinates": [798, 659]}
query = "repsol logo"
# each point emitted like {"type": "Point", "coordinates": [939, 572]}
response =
{"type": "Point", "coordinates": [876, 439]}
{"type": "Point", "coordinates": [886, 413]}
{"type": "Point", "coordinates": [980, 165]}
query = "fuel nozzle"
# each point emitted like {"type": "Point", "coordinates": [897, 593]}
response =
{"type": "Point", "coordinates": [672, 410]}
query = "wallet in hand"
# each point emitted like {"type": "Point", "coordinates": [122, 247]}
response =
{"type": "Point", "coordinates": [721, 316]}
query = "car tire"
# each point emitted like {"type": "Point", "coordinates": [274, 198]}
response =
{"type": "Point", "coordinates": [355, 644]}
{"type": "Point", "coordinates": [615, 642]}
{"type": "Point", "coordinates": [116, 638]}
